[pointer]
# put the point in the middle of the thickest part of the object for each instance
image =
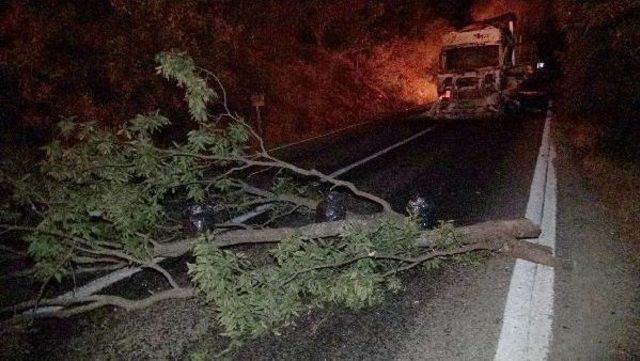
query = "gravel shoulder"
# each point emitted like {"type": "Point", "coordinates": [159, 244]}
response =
{"type": "Point", "coordinates": [597, 297]}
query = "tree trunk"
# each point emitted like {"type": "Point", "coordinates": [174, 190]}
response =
{"type": "Point", "coordinates": [502, 235]}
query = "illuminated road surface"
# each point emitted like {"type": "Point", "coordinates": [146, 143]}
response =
{"type": "Point", "coordinates": [475, 171]}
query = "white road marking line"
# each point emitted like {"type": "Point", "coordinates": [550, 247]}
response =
{"type": "Point", "coordinates": [526, 328]}
{"type": "Point", "coordinates": [542, 301]}
{"type": "Point", "coordinates": [262, 209]}
{"type": "Point", "coordinates": [343, 129]}
{"type": "Point", "coordinates": [319, 136]}
{"type": "Point", "coordinates": [379, 153]}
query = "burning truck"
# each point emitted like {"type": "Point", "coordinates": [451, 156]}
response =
{"type": "Point", "coordinates": [481, 68]}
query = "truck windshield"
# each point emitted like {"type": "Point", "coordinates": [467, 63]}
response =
{"type": "Point", "coordinates": [470, 58]}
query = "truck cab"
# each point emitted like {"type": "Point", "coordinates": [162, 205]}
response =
{"type": "Point", "coordinates": [478, 70]}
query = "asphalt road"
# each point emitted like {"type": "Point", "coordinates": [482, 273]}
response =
{"type": "Point", "coordinates": [460, 167]}
{"type": "Point", "coordinates": [474, 171]}
{"type": "Point", "coordinates": [471, 171]}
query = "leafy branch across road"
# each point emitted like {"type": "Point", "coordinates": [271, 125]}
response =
{"type": "Point", "coordinates": [104, 200]}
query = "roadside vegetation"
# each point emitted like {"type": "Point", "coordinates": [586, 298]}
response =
{"type": "Point", "coordinates": [599, 111]}
{"type": "Point", "coordinates": [598, 102]}
{"type": "Point", "coordinates": [321, 65]}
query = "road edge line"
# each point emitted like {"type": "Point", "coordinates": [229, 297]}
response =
{"type": "Point", "coordinates": [528, 315]}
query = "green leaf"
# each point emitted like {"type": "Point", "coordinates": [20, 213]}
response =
{"type": "Point", "coordinates": [145, 125]}
{"type": "Point", "coordinates": [66, 126]}
{"type": "Point", "coordinates": [178, 66]}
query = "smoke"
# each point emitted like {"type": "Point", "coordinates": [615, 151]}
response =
{"type": "Point", "coordinates": [484, 9]}
{"type": "Point", "coordinates": [533, 15]}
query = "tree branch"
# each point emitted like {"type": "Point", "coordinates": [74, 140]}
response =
{"type": "Point", "coordinates": [276, 163]}
{"type": "Point", "coordinates": [511, 247]}
{"type": "Point", "coordinates": [70, 306]}
{"type": "Point", "coordinates": [288, 198]}
{"type": "Point", "coordinates": [18, 253]}
{"type": "Point", "coordinates": [162, 271]}
{"type": "Point", "coordinates": [271, 235]}
{"type": "Point", "coordinates": [496, 236]}
{"type": "Point", "coordinates": [477, 233]}
{"type": "Point", "coordinates": [489, 230]}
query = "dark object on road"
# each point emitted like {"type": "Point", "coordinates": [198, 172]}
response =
{"type": "Point", "coordinates": [200, 216]}
{"type": "Point", "coordinates": [333, 208]}
{"type": "Point", "coordinates": [423, 211]}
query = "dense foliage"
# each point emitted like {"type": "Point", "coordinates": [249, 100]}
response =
{"type": "Point", "coordinates": [321, 64]}
{"type": "Point", "coordinates": [98, 189]}
{"type": "Point", "coordinates": [354, 270]}
{"type": "Point", "coordinates": [600, 57]}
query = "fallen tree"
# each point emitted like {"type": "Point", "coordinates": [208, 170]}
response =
{"type": "Point", "coordinates": [509, 231]}
{"type": "Point", "coordinates": [504, 237]}
{"type": "Point", "coordinates": [103, 201]}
